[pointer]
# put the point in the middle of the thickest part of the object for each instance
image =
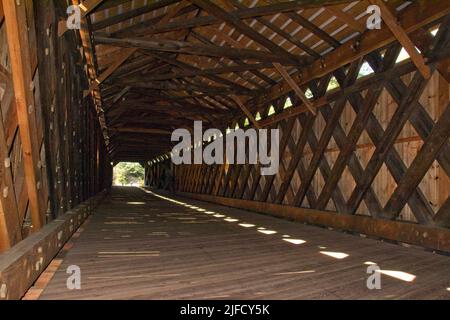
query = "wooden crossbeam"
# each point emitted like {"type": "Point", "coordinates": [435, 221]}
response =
{"type": "Point", "coordinates": [299, 92]}
{"type": "Point", "coordinates": [402, 36]}
{"type": "Point", "coordinates": [246, 111]}
{"type": "Point", "coordinates": [22, 75]}
{"type": "Point", "coordinates": [305, 23]}
{"type": "Point", "coordinates": [120, 59]}
{"type": "Point", "coordinates": [91, 70]}
{"type": "Point", "coordinates": [209, 72]}
{"type": "Point", "coordinates": [141, 130]}
{"type": "Point", "coordinates": [202, 21]}
{"type": "Point", "coordinates": [131, 14]}
{"type": "Point", "coordinates": [235, 22]}
{"type": "Point", "coordinates": [346, 18]}
{"type": "Point", "coordinates": [161, 45]}
{"type": "Point", "coordinates": [88, 6]}
{"type": "Point", "coordinates": [273, 27]}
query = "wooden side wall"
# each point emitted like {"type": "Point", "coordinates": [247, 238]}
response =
{"type": "Point", "coordinates": [69, 157]}
{"type": "Point", "coordinates": [380, 148]}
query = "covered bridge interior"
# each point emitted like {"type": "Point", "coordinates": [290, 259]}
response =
{"type": "Point", "coordinates": [364, 120]}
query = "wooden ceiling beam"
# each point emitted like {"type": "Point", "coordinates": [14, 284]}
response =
{"type": "Point", "coordinates": [305, 23]}
{"type": "Point", "coordinates": [346, 18]}
{"type": "Point", "coordinates": [120, 59]}
{"type": "Point", "coordinates": [169, 86]}
{"type": "Point", "coordinates": [132, 14]}
{"type": "Point", "coordinates": [247, 113]}
{"type": "Point", "coordinates": [241, 14]}
{"type": "Point", "coordinates": [209, 72]}
{"type": "Point", "coordinates": [279, 31]}
{"type": "Point", "coordinates": [141, 130]}
{"type": "Point", "coordinates": [299, 92]}
{"type": "Point", "coordinates": [234, 21]}
{"type": "Point", "coordinates": [401, 35]}
{"type": "Point", "coordinates": [160, 45]}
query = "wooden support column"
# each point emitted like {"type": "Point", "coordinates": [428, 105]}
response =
{"type": "Point", "coordinates": [10, 227]}
{"type": "Point", "coordinates": [22, 75]}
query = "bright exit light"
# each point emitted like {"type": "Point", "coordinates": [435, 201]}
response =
{"type": "Point", "coordinates": [295, 241]}
{"type": "Point", "coordinates": [336, 255]}
{"type": "Point", "coordinates": [404, 276]}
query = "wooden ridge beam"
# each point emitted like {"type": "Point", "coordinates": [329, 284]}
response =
{"type": "Point", "coordinates": [208, 72]}
{"type": "Point", "coordinates": [141, 130]}
{"type": "Point", "coordinates": [173, 46]}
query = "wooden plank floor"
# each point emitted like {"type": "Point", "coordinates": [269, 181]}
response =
{"type": "Point", "coordinates": [138, 246]}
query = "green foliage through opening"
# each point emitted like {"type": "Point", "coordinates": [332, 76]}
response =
{"type": "Point", "coordinates": [129, 174]}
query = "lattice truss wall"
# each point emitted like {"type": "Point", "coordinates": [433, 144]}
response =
{"type": "Point", "coordinates": [41, 98]}
{"type": "Point", "coordinates": [378, 146]}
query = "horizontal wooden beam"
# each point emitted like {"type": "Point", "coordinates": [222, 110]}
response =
{"type": "Point", "coordinates": [141, 130]}
{"type": "Point", "coordinates": [429, 237]}
{"type": "Point", "coordinates": [161, 45]}
{"type": "Point", "coordinates": [207, 72]}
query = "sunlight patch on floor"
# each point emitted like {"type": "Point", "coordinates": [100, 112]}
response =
{"type": "Point", "coordinates": [295, 241]}
{"type": "Point", "coordinates": [268, 232]}
{"type": "Point", "coordinates": [400, 275]}
{"type": "Point", "coordinates": [336, 255]}
{"type": "Point", "coordinates": [294, 272]}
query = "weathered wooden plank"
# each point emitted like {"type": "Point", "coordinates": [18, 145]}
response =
{"type": "Point", "coordinates": [32, 255]}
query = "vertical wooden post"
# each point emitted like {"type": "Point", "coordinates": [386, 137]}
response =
{"type": "Point", "coordinates": [19, 54]}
